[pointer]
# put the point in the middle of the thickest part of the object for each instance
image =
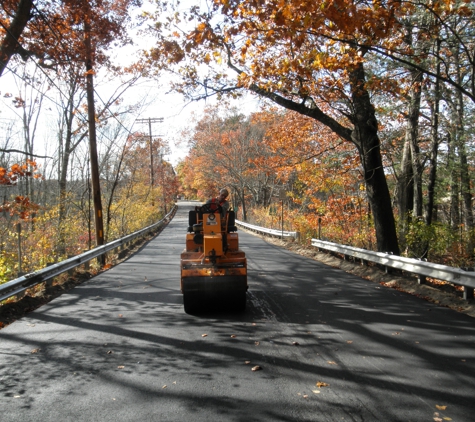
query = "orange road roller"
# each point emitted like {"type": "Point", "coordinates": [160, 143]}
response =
{"type": "Point", "coordinates": [213, 268]}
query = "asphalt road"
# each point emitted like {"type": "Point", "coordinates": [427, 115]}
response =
{"type": "Point", "coordinates": [331, 347]}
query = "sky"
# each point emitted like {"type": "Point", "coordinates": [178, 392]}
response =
{"type": "Point", "coordinates": [176, 112]}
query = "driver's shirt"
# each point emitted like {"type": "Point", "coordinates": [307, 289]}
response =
{"type": "Point", "coordinates": [224, 205]}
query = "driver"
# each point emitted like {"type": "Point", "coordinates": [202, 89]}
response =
{"type": "Point", "coordinates": [221, 200]}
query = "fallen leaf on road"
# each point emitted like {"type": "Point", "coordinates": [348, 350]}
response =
{"type": "Point", "coordinates": [305, 396]}
{"type": "Point", "coordinates": [256, 368]}
{"type": "Point", "coordinates": [164, 387]}
{"type": "Point", "coordinates": [204, 335]}
{"type": "Point", "coordinates": [121, 367]}
{"type": "Point", "coordinates": [296, 343]}
{"type": "Point", "coordinates": [120, 315]}
{"type": "Point", "coordinates": [316, 391]}
{"type": "Point", "coordinates": [441, 407]}
{"type": "Point", "coordinates": [109, 352]}
{"type": "Point", "coordinates": [233, 336]}
{"type": "Point", "coordinates": [35, 350]}
{"type": "Point", "coordinates": [331, 362]}
{"type": "Point", "coordinates": [349, 342]}
{"type": "Point", "coordinates": [247, 362]}
{"type": "Point", "coordinates": [320, 384]}
{"type": "Point", "coordinates": [256, 343]}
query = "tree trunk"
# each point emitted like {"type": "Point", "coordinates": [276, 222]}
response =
{"type": "Point", "coordinates": [405, 189]}
{"type": "Point", "coordinates": [454, 187]}
{"type": "Point", "coordinates": [243, 205]}
{"type": "Point", "coordinates": [434, 149]}
{"type": "Point", "coordinates": [365, 136]}
{"type": "Point", "coordinates": [466, 192]}
{"type": "Point", "coordinates": [465, 183]}
{"type": "Point", "coordinates": [10, 44]}
{"type": "Point", "coordinates": [96, 187]}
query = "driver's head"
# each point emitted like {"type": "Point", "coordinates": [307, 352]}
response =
{"type": "Point", "coordinates": [223, 194]}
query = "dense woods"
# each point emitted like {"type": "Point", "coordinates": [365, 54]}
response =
{"type": "Point", "coordinates": [365, 135]}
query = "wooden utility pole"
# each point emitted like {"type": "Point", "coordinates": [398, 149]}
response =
{"type": "Point", "coordinates": [151, 120]}
{"type": "Point", "coordinates": [91, 111]}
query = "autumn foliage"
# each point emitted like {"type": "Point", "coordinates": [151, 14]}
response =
{"type": "Point", "coordinates": [21, 206]}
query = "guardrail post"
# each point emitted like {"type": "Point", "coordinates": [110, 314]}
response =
{"type": "Point", "coordinates": [18, 230]}
{"type": "Point", "coordinates": [468, 293]}
{"type": "Point", "coordinates": [71, 271]}
{"type": "Point", "coordinates": [421, 279]}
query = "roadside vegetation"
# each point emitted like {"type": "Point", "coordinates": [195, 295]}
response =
{"type": "Point", "coordinates": [365, 135]}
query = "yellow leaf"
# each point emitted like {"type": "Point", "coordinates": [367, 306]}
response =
{"type": "Point", "coordinates": [441, 407]}
{"type": "Point", "coordinates": [320, 384]}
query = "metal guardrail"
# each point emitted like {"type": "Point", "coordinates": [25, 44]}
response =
{"type": "Point", "coordinates": [18, 286]}
{"type": "Point", "coordinates": [269, 232]}
{"type": "Point", "coordinates": [421, 269]}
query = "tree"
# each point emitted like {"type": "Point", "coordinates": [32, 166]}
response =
{"type": "Point", "coordinates": [300, 64]}
{"type": "Point", "coordinates": [11, 31]}
{"type": "Point", "coordinates": [222, 149]}
{"type": "Point", "coordinates": [20, 205]}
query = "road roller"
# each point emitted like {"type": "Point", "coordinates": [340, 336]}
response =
{"type": "Point", "coordinates": [213, 268]}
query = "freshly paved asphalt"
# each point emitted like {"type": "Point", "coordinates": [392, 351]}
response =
{"type": "Point", "coordinates": [121, 348]}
